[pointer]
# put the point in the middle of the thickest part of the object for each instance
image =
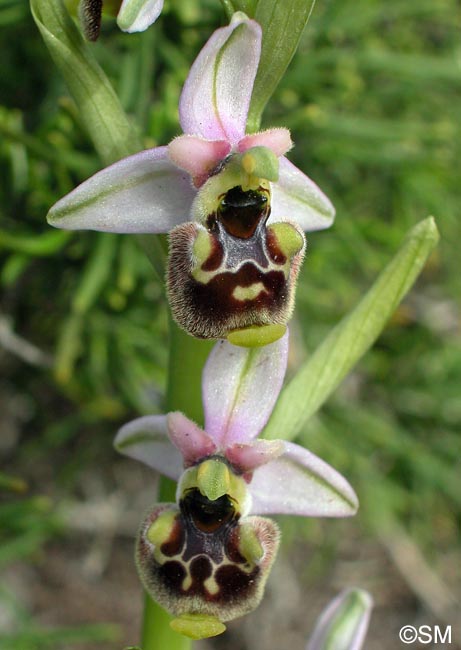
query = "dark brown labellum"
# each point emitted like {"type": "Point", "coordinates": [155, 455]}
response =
{"type": "Point", "coordinates": [203, 558]}
{"type": "Point", "coordinates": [236, 271]}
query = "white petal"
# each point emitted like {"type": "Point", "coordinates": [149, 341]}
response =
{"type": "Point", "coordinates": [240, 387]}
{"type": "Point", "coordinates": [146, 439]}
{"type": "Point", "coordinates": [344, 623]}
{"type": "Point", "coordinates": [144, 193]}
{"type": "Point", "coordinates": [216, 96]}
{"type": "Point", "coordinates": [297, 198]}
{"type": "Point", "coordinates": [137, 15]}
{"type": "Point", "coordinates": [300, 483]}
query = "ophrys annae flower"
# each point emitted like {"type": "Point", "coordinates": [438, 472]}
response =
{"type": "Point", "coordinates": [207, 557]}
{"type": "Point", "coordinates": [234, 205]}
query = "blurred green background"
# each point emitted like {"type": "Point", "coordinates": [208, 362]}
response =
{"type": "Point", "coordinates": [373, 101]}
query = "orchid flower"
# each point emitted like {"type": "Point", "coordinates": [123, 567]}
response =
{"type": "Point", "coordinates": [207, 557]}
{"type": "Point", "coordinates": [132, 16]}
{"type": "Point", "coordinates": [344, 622]}
{"type": "Point", "coordinates": [235, 207]}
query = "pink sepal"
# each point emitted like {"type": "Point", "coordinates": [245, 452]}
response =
{"type": "Point", "coordinates": [239, 389]}
{"type": "Point", "coordinates": [193, 443]}
{"type": "Point", "coordinates": [216, 97]}
{"type": "Point", "coordinates": [147, 14]}
{"type": "Point", "coordinates": [144, 193]}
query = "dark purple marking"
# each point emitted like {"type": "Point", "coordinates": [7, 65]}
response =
{"type": "Point", "coordinates": [215, 258]}
{"type": "Point", "coordinates": [206, 525]}
{"type": "Point", "coordinates": [273, 248]}
{"type": "Point", "coordinates": [217, 295]}
{"type": "Point", "coordinates": [235, 584]}
{"type": "Point", "coordinates": [175, 542]}
{"type": "Point", "coordinates": [200, 569]}
{"type": "Point", "coordinates": [208, 516]}
{"type": "Point", "coordinates": [171, 573]}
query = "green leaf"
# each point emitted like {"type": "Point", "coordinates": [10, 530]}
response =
{"type": "Point", "coordinates": [101, 112]}
{"type": "Point", "coordinates": [352, 337]}
{"type": "Point", "coordinates": [282, 24]}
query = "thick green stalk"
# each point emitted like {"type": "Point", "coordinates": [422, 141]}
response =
{"type": "Point", "coordinates": [187, 357]}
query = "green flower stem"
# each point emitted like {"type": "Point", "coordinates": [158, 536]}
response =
{"type": "Point", "coordinates": [247, 6]}
{"type": "Point", "coordinates": [228, 7]}
{"type": "Point", "coordinates": [156, 631]}
{"type": "Point", "coordinates": [187, 357]}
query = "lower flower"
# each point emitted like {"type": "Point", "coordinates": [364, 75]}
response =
{"type": "Point", "coordinates": [207, 557]}
{"type": "Point", "coordinates": [204, 560]}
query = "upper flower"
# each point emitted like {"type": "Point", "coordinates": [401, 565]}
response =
{"type": "Point", "coordinates": [151, 192]}
{"type": "Point", "coordinates": [234, 205]}
{"type": "Point", "coordinates": [132, 16]}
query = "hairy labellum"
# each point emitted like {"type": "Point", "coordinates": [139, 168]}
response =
{"type": "Point", "coordinates": [202, 557]}
{"type": "Point", "coordinates": [234, 272]}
